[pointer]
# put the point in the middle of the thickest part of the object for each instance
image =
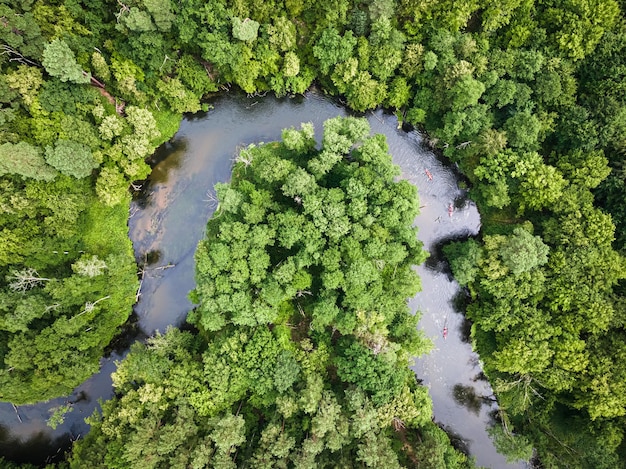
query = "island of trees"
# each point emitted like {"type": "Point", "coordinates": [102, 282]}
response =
{"type": "Point", "coordinates": [526, 96]}
{"type": "Point", "coordinates": [304, 333]}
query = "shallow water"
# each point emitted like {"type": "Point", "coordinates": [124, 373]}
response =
{"type": "Point", "coordinates": [169, 216]}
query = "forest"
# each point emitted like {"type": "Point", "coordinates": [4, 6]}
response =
{"type": "Point", "coordinates": [526, 97]}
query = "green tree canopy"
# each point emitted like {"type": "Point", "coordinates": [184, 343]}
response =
{"type": "Point", "coordinates": [245, 30]}
{"type": "Point", "coordinates": [71, 158]}
{"type": "Point", "coordinates": [59, 61]}
{"type": "Point", "coordinates": [26, 160]}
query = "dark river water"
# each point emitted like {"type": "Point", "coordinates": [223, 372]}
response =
{"type": "Point", "coordinates": [169, 217]}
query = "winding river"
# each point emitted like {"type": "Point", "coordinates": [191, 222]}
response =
{"type": "Point", "coordinates": [168, 218]}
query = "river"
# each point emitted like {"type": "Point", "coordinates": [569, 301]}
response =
{"type": "Point", "coordinates": [169, 216]}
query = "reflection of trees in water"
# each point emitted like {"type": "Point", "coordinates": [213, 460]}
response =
{"type": "Point", "coordinates": [167, 157]}
{"type": "Point", "coordinates": [457, 441]}
{"type": "Point", "coordinates": [465, 328]}
{"type": "Point", "coordinates": [82, 396]}
{"type": "Point", "coordinates": [173, 146]}
{"type": "Point", "coordinates": [482, 377]}
{"type": "Point", "coordinates": [437, 260]}
{"type": "Point", "coordinates": [130, 332]}
{"type": "Point", "coordinates": [39, 449]}
{"type": "Point", "coordinates": [151, 257]}
{"type": "Point", "coordinates": [197, 116]}
{"type": "Point", "coordinates": [462, 202]}
{"type": "Point", "coordinates": [467, 397]}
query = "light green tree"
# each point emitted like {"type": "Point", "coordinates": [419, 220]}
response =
{"type": "Point", "coordinates": [59, 61]}
{"type": "Point", "coordinates": [26, 160]}
{"type": "Point", "coordinates": [245, 30]}
{"type": "Point", "coordinates": [26, 81]}
{"type": "Point", "coordinates": [522, 251]}
{"type": "Point", "coordinates": [71, 158]}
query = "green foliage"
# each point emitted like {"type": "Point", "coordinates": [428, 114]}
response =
{"type": "Point", "coordinates": [179, 98]}
{"type": "Point", "coordinates": [399, 93]}
{"type": "Point", "coordinates": [59, 61]}
{"type": "Point", "coordinates": [586, 169]}
{"type": "Point", "coordinates": [514, 447]}
{"type": "Point", "coordinates": [22, 31]}
{"type": "Point", "coordinates": [466, 92]}
{"type": "Point", "coordinates": [300, 141]}
{"type": "Point", "coordinates": [282, 34]}
{"type": "Point", "coordinates": [527, 97]}
{"type": "Point", "coordinates": [522, 252]}
{"type": "Point", "coordinates": [25, 160]}
{"type": "Point", "coordinates": [579, 25]}
{"type": "Point", "coordinates": [26, 81]}
{"type": "Point", "coordinates": [522, 130]}
{"type": "Point", "coordinates": [291, 65]}
{"type": "Point", "coordinates": [100, 66]}
{"type": "Point", "coordinates": [363, 92]}
{"type": "Point", "coordinates": [161, 12]}
{"type": "Point", "coordinates": [194, 76]}
{"type": "Point", "coordinates": [59, 309]}
{"type": "Point", "coordinates": [387, 45]}
{"type": "Point", "coordinates": [138, 20]}
{"type": "Point", "coordinates": [464, 258]}
{"type": "Point", "coordinates": [433, 450]}
{"type": "Point", "coordinates": [318, 215]}
{"type": "Point", "coordinates": [332, 48]}
{"type": "Point", "coordinates": [58, 415]}
{"type": "Point", "coordinates": [111, 186]}
{"type": "Point", "coordinates": [373, 373]}
{"type": "Point", "coordinates": [71, 158]}
{"type": "Point", "coordinates": [245, 30]}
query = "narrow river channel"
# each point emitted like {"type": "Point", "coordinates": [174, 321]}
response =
{"type": "Point", "coordinates": [168, 219]}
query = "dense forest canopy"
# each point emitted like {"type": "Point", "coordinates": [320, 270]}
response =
{"type": "Point", "coordinates": [528, 97]}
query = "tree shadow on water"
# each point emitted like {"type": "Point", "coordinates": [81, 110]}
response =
{"type": "Point", "coordinates": [457, 441]}
{"type": "Point", "coordinates": [437, 260]}
{"type": "Point", "coordinates": [40, 449]}
{"type": "Point", "coordinates": [465, 330]}
{"type": "Point", "coordinates": [163, 152]}
{"type": "Point", "coordinates": [466, 396]}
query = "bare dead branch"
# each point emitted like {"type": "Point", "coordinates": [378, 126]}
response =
{"type": "Point", "coordinates": [25, 279]}
{"type": "Point", "coordinates": [16, 56]}
{"type": "Point", "coordinates": [17, 413]}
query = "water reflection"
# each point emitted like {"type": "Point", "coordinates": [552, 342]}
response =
{"type": "Point", "coordinates": [40, 448]}
{"type": "Point", "coordinates": [466, 396]}
{"type": "Point", "coordinates": [167, 159]}
{"type": "Point", "coordinates": [465, 328]}
{"type": "Point", "coordinates": [198, 116]}
{"type": "Point", "coordinates": [458, 442]}
{"type": "Point", "coordinates": [437, 261]}
{"type": "Point", "coordinates": [150, 258]}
